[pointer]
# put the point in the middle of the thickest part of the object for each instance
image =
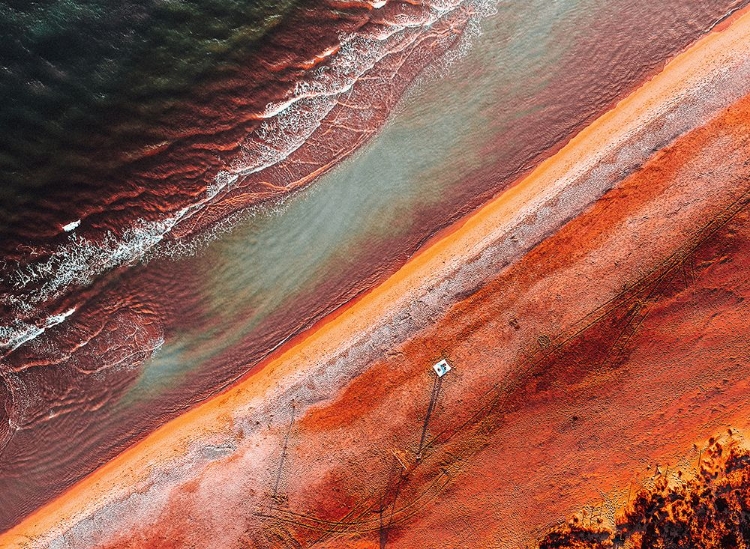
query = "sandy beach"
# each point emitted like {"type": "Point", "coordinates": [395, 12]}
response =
{"type": "Point", "coordinates": [540, 254]}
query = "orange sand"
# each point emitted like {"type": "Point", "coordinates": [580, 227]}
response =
{"type": "Point", "coordinates": [116, 479]}
{"type": "Point", "coordinates": [610, 389]}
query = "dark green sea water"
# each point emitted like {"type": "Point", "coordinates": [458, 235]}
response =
{"type": "Point", "coordinates": [81, 81]}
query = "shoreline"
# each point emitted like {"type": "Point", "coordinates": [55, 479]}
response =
{"type": "Point", "coordinates": [355, 317]}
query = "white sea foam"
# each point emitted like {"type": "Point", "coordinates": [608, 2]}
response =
{"type": "Point", "coordinates": [18, 333]}
{"type": "Point", "coordinates": [72, 225]}
{"type": "Point", "coordinates": [79, 261]}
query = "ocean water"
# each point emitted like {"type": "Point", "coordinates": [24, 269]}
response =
{"type": "Point", "coordinates": [83, 79]}
{"type": "Point", "coordinates": [250, 131]}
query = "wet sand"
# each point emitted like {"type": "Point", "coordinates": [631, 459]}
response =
{"type": "Point", "coordinates": [573, 293]}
